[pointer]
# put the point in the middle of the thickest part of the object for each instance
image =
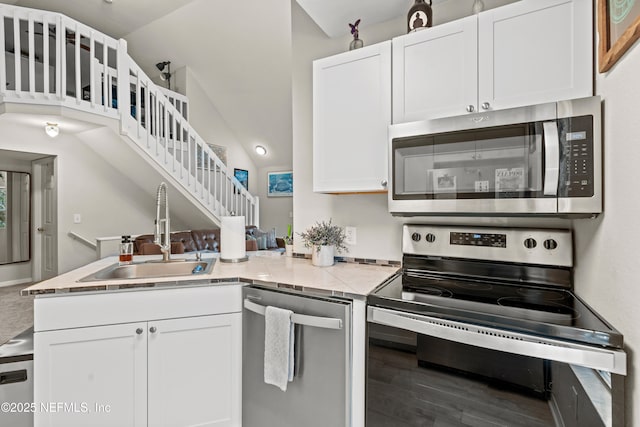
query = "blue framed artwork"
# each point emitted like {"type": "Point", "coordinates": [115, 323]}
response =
{"type": "Point", "coordinates": [280, 184]}
{"type": "Point", "coordinates": [242, 176]}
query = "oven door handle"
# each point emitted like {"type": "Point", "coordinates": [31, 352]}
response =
{"type": "Point", "coordinates": [604, 359]}
{"type": "Point", "coordinates": [551, 158]}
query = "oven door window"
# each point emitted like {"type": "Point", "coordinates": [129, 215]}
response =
{"type": "Point", "coordinates": [506, 162]}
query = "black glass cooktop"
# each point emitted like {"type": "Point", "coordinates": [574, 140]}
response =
{"type": "Point", "coordinates": [543, 311]}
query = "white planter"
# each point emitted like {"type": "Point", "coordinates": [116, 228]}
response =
{"type": "Point", "coordinates": [288, 249]}
{"type": "Point", "coordinates": [322, 256]}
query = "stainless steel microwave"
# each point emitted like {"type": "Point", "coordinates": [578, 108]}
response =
{"type": "Point", "coordinates": [543, 160]}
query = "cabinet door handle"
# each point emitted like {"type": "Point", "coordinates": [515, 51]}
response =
{"type": "Point", "coordinates": [486, 105]}
{"type": "Point", "coordinates": [470, 108]}
{"type": "Point", "coordinates": [152, 329]}
{"type": "Point", "coordinates": [139, 331]}
{"type": "Point", "coordinates": [383, 182]}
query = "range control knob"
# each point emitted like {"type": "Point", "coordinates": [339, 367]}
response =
{"type": "Point", "coordinates": [415, 237]}
{"type": "Point", "coordinates": [530, 243]}
{"type": "Point", "coordinates": [430, 237]}
{"type": "Point", "coordinates": [550, 244]}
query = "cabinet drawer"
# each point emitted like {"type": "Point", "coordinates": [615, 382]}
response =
{"type": "Point", "coordinates": [75, 311]}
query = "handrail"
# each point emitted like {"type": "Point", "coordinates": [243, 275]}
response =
{"type": "Point", "coordinates": [300, 319]}
{"type": "Point", "coordinates": [83, 240]}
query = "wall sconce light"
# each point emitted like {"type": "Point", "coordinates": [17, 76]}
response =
{"type": "Point", "coordinates": [52, 129]}
{"type": "Point", "coordinates": [165, 75]}
{"type": "Point", "coordinates": [261, 150]}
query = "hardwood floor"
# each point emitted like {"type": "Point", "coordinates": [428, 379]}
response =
{"type": "Point", "coordinates": [400, 393]}
{"type": "Point", "coordinates": [16, 312]}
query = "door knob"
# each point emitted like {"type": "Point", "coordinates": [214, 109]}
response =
{"type": "Point", "coordinates": [139, 331]}
{"type": "Point", "coordinates": [470, 108]}
{"type": "Point", "coordinates": [152, 329]}
{"type": "Point", "coordinates": [486, 105]}
{"type": "Point", "coordinates": [40, 229]}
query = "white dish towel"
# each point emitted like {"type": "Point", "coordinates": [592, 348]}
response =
{"type": "Point", "coordinates": [278, 347]}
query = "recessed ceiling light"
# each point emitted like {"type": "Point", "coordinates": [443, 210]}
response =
{"type": "Point", "coordinates": [261, 150]}
{"type": "Point", "coordinates": [108, 1]}
{"type": "Point", "coordinates": [52, 129]}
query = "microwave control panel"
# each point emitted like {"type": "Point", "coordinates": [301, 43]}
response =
{"type": "Point", "coordinates": [576, 157]}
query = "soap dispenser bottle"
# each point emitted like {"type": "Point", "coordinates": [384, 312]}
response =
{"type": "Point", "coordinates": [126, 250]}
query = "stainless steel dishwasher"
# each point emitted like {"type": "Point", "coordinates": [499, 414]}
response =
{"type": "Point", "coordinates": [16, 381]}
{"type": "Point", "coordinates": [320, 392]}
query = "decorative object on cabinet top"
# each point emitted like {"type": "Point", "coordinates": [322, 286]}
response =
{"type": "Point", "coordinates": [330, 15]}
{"type": "Point", "coordinates": [619, 29]}
{"type": "Point", "coordinates": [356, 43]}
{"type": "Point", "coordinates": [477, 7]}
{"type": "Point", "coordinates": [420, 16]}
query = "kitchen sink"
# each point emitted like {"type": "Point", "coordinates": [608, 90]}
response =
{"type": "Point", "coordinates": [148, 269]}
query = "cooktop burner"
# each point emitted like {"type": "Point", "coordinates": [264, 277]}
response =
{"type": "Point", "coordinates": [553, 313]}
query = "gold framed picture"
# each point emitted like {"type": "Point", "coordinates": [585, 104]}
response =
{"type": "Point", "coordinates": [618, 29]}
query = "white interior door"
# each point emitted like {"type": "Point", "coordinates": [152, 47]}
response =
{"type": "Point", "coordinates": [45, 202]}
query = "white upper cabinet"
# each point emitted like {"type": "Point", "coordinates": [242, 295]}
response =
{"type": "Point", "coordinates": [525, 53]}
{"type": "Point", "coordinates": [351, 116]}
{"type": "Point", "coordinates": [435, 71]}
{"type": "Point", "coordinates": [532, 52]}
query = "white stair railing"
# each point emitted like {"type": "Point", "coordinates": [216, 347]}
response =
{"type": "Point", "coordinates": [50, 59]}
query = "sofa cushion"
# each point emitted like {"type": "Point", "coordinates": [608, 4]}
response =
{"type": "Point", "coordinates": [153, 249]}
{"type": "Point", "coordinates": [186, 238]}
{"type": "Point", "coordinates": [207, 240]}
{"type": "Point", "coordinates": [141, 240]}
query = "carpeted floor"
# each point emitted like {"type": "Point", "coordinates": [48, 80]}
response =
{"type": "Point", "coordinates": [16, 312]}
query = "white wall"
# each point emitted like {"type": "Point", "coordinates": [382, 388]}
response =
{"type": "Point", "coordinates": [275, 212]}
{"type": "Point", "coordinates": [207, 121]}
{"type": "Point", "coordinates": [607, 256]}
{"type": "Point", "coordinates": [110, 203]}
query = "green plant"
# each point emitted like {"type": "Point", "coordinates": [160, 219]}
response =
{"type": "Point", "coordinates": [288, 239]}
{"type": "Point", "coordinates": [324, 234]}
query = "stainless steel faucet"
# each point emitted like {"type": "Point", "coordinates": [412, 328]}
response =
{"type": "Point", "coordinates": [158, 239]}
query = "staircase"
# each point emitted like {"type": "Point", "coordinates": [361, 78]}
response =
{"type": "Point", "coordinates": [50, 59]}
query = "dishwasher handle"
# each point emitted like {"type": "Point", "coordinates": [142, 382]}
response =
{"type": "Point", "coordinates": [300, 319]}
{"type": "Point", "coordinates": [11, 377]}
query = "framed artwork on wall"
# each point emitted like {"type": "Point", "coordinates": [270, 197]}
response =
{"type": "Point", "coordinates": [618, 30]}
{"type": "Point", "coordinates": [280, 184]}
{"type": "Point", "coordinates": [242, 176]}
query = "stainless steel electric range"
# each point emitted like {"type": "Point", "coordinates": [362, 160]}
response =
{"type": "Point", "coordinates": [482, 326]}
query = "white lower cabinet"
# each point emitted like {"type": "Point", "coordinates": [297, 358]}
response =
{"type": "Point", "coordinates": [183, 371]}
{"type": "Point", "coordinates": [80, 370]}
{"type": "Point", "coordinates": [194, 368]}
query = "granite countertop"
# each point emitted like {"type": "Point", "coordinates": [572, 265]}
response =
{"type": "Point", "coordinates": [266, 268]}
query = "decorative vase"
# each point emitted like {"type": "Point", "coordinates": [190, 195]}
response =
{"type": "Point", "coordinates": [356, 44]}
{"type": "Point", "coordinates": [322, 256]}
{"type": "Point", "coordinates": [420, 16]}
{"type": "Point", "coordinates": [288, 250]}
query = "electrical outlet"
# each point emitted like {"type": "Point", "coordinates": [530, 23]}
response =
{"type": "Point", "coordinates": [350, 233]}
{"type": "Point", "coordinates": [77, 218]}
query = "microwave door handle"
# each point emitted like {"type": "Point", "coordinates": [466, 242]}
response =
{"type": "Point", "coordinates": [551, 158]}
